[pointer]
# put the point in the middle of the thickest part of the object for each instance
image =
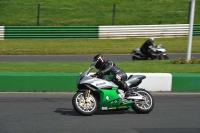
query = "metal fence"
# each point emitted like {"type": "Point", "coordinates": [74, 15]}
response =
{"type": "Point", "coordinates": [95, 13]}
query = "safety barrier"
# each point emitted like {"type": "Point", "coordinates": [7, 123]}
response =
{"type": "Point", "coordinates": [37, 82]}
{"type": "Point", "coordinates": [186, 82]}
{"type": "Point", "coordinates": [126, 31]}
{"type": "Point", "coordinates": [1, 32]}
{"type": "Point", "coordinates": [66, 82]}
{"type": "Point", "coordinates": [196, 30]}
{"type": "Point", "coordinates": [45, 32]}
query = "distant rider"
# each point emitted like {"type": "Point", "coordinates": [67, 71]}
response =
{"type": "Point", "coordinates": [146, 48]}
{"type": "Point", "coordinates": [109, 67]}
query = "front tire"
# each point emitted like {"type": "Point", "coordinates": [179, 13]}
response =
{"type": "Point", "coordinates": [84, 106]}
{"type": "Point", "coordinates": [143, 106]}
{"type": "Point", "coordinates": [135, 58]}
{"type": "Point", "coordinates": [163, 57]}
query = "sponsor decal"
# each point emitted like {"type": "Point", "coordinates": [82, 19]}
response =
{"type": "Point", "coordinates": [107, 98]}
{"type": "Point", "coordinates": [112, 108]}
{"type": "Point", "coordinates": [122, 107]}
{"type": "Point", "coordinates": [104, 108]}
{"type": "Point", "coordinates": [118, 77]}
{"type": "Point", "coordinates": [114, 101]}
{"type": "Point", "coordinates": [102, 83]}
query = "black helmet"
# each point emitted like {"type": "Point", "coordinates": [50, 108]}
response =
{"type": "Point", "coordinates": [100, 60]}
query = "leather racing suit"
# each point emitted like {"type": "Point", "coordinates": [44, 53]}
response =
{"type": "Point", "coordinates": [146, 50]}
{"type": "Point", "coordinates": [109, 67]}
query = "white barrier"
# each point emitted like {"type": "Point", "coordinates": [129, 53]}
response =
{"type": "Point", "coordinates": [126, 31]}
{"type": "Point", "coordinates": [1, 32]}
{"type": "Point", "coordinates": [155, 81]}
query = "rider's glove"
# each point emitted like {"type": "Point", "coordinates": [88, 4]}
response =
{"type": "Point", "coordinates": [94, 75]}
{"type": "Point", "coordinates": [99, 74]}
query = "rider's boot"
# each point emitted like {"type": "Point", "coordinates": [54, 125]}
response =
{"type": "Point", "coordinates": [128, 91]}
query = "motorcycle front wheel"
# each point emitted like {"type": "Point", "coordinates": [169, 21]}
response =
{"type": "Point", "coordinates": [84, 105]}
{"type": "Point", "coordinates": [143, 106]}
{"type": "Point", "coordinates": [163, 57]}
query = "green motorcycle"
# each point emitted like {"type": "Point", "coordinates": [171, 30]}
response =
{"type": "Point", "coordinates": [102, 94]}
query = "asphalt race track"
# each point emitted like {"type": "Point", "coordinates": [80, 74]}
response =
{"type": "Point", "coordinates": [53, 113]}
{"type": "Point", "coordinates": [79, 58]}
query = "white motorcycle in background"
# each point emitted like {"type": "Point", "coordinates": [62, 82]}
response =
{"type": "Point", "coordinates": [159, 52]}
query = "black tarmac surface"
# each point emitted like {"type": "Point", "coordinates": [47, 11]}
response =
{"type": "Point", "coordinates": [79, 58]}
{"type": "Point", "coordinates": [53, 113]}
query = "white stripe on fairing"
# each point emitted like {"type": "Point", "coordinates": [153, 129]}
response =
{"type": "Point", "coordinates": [155, 81]}
{"type": "Point", "coordinates": [1, 32]}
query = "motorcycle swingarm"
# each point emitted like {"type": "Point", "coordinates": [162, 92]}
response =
{"type": "Point", "coordinates": [137, 97]}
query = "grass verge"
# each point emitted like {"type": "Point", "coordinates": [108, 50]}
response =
{"type": "Point", "coordinates": [160, 66]}
{"type": "Point", "coordinates": [96, 12]}
{"type": "Point", "coordinates": [91, 46]}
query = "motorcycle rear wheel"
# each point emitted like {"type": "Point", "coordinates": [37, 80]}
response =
{"type": "Point", "coordinates": [146, 106]}
{"type": "Point", "coordinates": [83, 106]}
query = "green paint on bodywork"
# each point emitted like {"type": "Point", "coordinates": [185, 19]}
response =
{"type": "Point", "coordinates": [110, 99]}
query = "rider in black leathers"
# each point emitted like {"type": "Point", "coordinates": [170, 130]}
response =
{"type": "Point", "coordinates": [146, 48]}
{"type": "Point", "coordinates": [109, 67]}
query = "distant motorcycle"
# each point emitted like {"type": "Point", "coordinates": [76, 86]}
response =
{"type": "Point", "coordinates": [159, 52]}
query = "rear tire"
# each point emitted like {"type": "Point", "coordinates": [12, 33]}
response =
{"type": "Point", "coordinates": [82, 107]}
{"type": "Point", "coordinates": [146, 106]}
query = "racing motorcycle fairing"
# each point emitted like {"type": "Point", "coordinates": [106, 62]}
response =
{"type": "Point", "coordinates": [94, 93]}
{"type": "Point", "coordinates": [97, 82]}
{"type": "Point", "coordinates": [109, 99]}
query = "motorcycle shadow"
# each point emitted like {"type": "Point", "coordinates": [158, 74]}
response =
{"type": "Point", "coordinates": [66, 111]}
{"type": "Point", "coordinates": [72, 112]}
{"type": "Point", "coordinates": [114, 112]}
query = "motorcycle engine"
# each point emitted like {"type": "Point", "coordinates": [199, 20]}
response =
{"type": "Point", "coordinates": [121, 93]}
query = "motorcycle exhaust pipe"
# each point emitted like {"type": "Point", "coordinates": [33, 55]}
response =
{"type": "Point", "coordinates": [137, 56]}
{"type": "Point", "coordinates": [136, 98]}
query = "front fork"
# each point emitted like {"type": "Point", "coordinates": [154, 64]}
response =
{"type": "Point", "coordinates": [162, 56]}
{"type": "Point", "coordinates": [87, 95]}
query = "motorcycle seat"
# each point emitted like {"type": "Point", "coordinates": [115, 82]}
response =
{"type": "Point", "coordinates": [137, 76]}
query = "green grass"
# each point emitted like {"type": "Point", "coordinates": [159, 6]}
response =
{"type": "Point", "coordinates": [91, 46]}
{"type": "Point", "coordinates": [130, 66]}
{"type": "Point", "coordinates": [96, 12]}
